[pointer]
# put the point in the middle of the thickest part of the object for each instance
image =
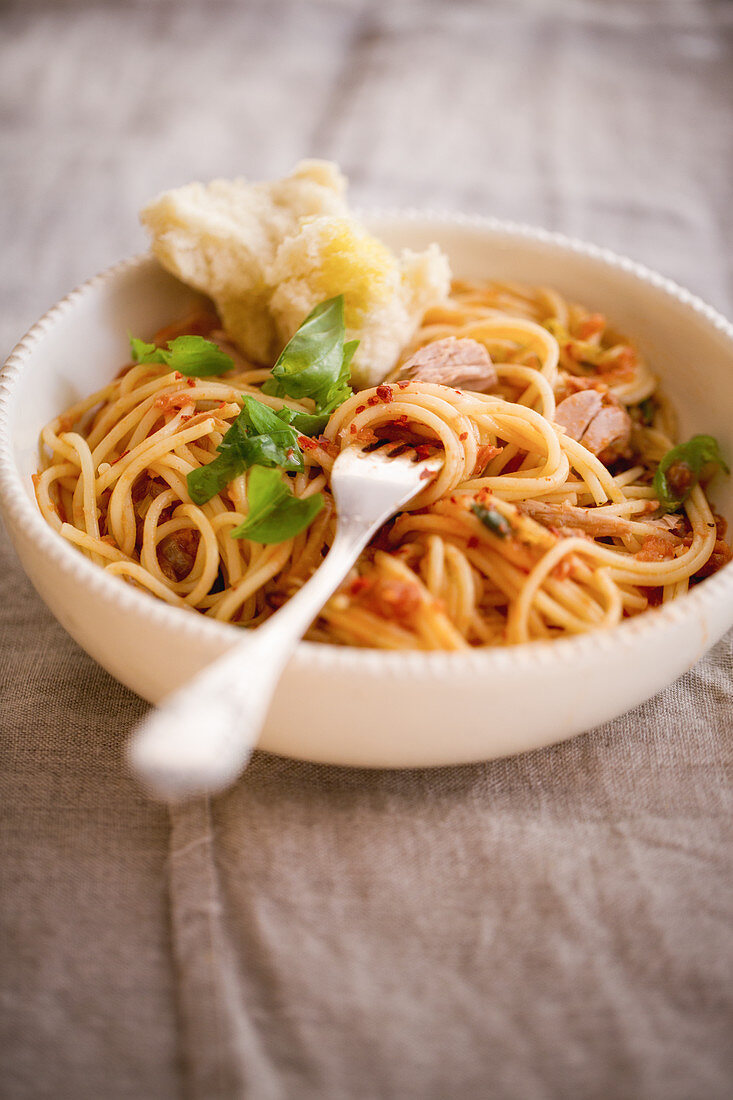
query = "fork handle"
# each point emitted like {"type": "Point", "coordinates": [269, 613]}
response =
{"type": "Point", "coordinates": [200, 738]}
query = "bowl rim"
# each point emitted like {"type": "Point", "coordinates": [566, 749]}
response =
{"type": "Point", "coordinates": [418, 664]}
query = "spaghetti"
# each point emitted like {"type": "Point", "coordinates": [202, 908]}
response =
{"type": "Point", "coordinates": [529, 531]}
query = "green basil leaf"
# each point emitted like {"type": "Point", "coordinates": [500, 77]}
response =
{"type": "Point", "coordinates": [349, 350]}
{"type": "Point", "coordinates": [311, 362]}
{"type": "Point", "coordinates": [316, 362]}
{"type": "Point", "coordinates": [145, 353]}
{"type": "Point", "coordinates": [268, 433]}
{"type": "Point", "coordinates": [493, 521]}
{"type": "Point", "coordinates": [190, 355]}
{"type": "Point", "coordinates": [259, 436]}
{"type": "Point", "coordinates": [206, 481]}
{"type": "Point", "coordinates": [195, 356]}
{"type": "Point", "coordinates": [309, 423]}
{"type": "Point", "coordinates": [274, 513]}
{"type": "Point", "coordinates": [680, 469]}
{"type": "Point", "coordinates": [259, 419]}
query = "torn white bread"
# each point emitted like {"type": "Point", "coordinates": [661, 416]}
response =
{"type": "Point", "coordinates": [384, 297]}
{"type": "Point", "coordinates": [221, 237]}
{"type": "Point", "coordinates": [268, 253]}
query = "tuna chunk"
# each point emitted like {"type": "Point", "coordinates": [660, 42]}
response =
{"type": "Point", "coordinates": [597, 421]}
{"type": "Point", "coordinates": [465, 364]}
{"type": "Point", "coordinates": [575, 413]}
{"type": "Point", "coordinates": [566, 517]}
{"type": "Point", "coordinates": [608, 433]}
{"type": "Point", "coordinates": [579, 519]}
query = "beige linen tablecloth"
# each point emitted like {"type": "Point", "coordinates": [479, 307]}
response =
{"type": "Point", "coordinates": [557, 925]}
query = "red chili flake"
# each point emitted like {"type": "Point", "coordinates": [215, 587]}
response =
{"type": "Point", "coordinates": [177, 375]}
{"type": "Point", "coordinates": [359, 585]}
{"type": "Point", "coordinates": [472, 542]}
{"type": "Point", "coordinates": [124, 453]}
{"type": "Point", "coordinates": [385, 393]}
{"type": "Point", "coordinates": [462, 436]}
{"type": "Point", "coordinates": [484, 454]}
{"type": "Point", "coordinates": [360, 409]}
{"type": "Point", "coordinates": [190, 381]}
{"type": "Point", "coordinates": [328, 446]}
{"type": "Point", "coordinates": [400, 421]}
{"type": "Point", "coordinates": [403, 385]}
{"type": "Point", "coordinates": [289, 454]}
{"type": "Point", "coordinates": [423, 450]}
{"type": "Point", "coordinates": [426, 474]}
{"type": "Point", "coordinates": [373, 400]}
{"type": "Point", "coordinates": [168, 401]}
{"type": "Point", "coordinates": [306, 443]}
{"type": "Point", "coordinates": [221, 405]}
{"type": "Point", "coordinates": [353, 429]}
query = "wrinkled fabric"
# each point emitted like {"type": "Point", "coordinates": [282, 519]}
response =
{"type": "Point", "coordinates": [556, 925]}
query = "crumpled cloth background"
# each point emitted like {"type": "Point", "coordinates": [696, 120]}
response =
{"type": "Point", "coordinates": [553, 925]}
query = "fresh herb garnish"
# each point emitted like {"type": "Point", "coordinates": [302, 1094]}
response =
{"type": "Point", "coordinates": [494, 521]}
{"type": "Point", "coordinates": [316, 364]}
{"type": "Point", "coordinates": [275, 514]}
{"type": "Point", "coordinates": [647, 409]}
{"type": "Point", "coordinates": [680, 469]}
{"type": "Point", "coordinates": [309, 423]}
{"type": "Point", "coordinates": [258, 437]}
{"type": "Point", "coordinates": [190, 355]}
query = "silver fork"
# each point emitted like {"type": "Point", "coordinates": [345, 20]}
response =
{"type": "Point", "coordinates": [201, 737]}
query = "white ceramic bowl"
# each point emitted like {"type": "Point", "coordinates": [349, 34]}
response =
{"type": "Point", "coordinates": [356, 706]}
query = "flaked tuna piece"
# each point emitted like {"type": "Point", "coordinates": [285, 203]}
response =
{"type": "Point", "coordinates": [580, 519]}
{"type": "Point", "coordinates": [587, 520]}
{"type": "Point", "coordinates": [462, 363]}
{"type": "Point", "coordinates": [597, 421]}
{"type": "Point", "coordinates": [575, 413]}
{"type": "Point", "coordinates": [608, 433]}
